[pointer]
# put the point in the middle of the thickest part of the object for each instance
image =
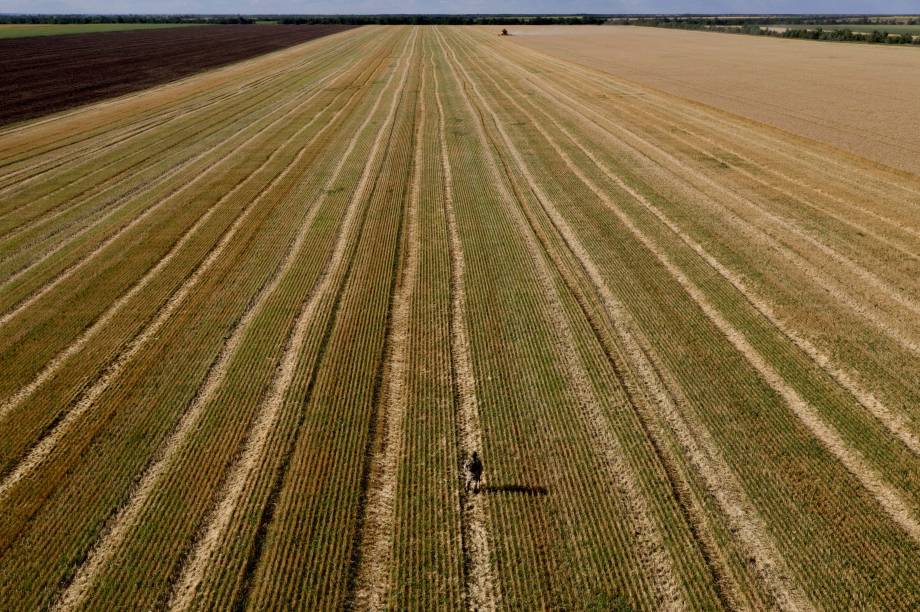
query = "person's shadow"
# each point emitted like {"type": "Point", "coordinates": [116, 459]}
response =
{"type": "Point", "coordinates": [534, 491]}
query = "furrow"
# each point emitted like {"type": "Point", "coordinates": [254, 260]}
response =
{"type": "Point", "coordinates": [895, 423]}
{"type": "Point", "coordinates": [68, 155]}
{"type": "Point", "coordinates": [372, 575]}
{"type": "Point", "coordinates": [265, 98]}
{"type": "Point", "coordinates": [150, 210]}
{"type": "Point", "coordinates": [847, 172]}
{"type": "Point", "coordinates": [26, 203]}
{"type": "Point", "coordinates": [169, 114]}
{"type": "Point", "coordinates": [715, 471]}
{"type": "Point", "coordinates": [886, 496]}
{"type": "Point", "coordinates": [620, 472]}
{"type": "Point", "coordinates": [656, 557]}
{"type": "Point", "coordinates": [104, 194]}
{"type": "Point", "coordinates": [822, 210]}
{"type": "Point", "coordinates": [698, 446]}
{"type": "Point", "coordinates": [855, 267]}
{"type": "Point", "coordinates": [892, 223]}
{"type": "Point", "coordinates": [240, 473]}
{"type": "Point", "coordinates": [57, 361]}
{"type": "Point", "coordinates": [320, 573]}
{"type": "Point", "coordinates": [712, 122]}
{"type": "Point", "coordinates": [854, 175]}
{"type": "Point", "coordinates": [871, 480]}
{"type": "Point", "coordinates": [41, 450]}
{"type": "Point", "coordinates": [893, 330]}
{"type": "Point", "coordinates": [126, 518]}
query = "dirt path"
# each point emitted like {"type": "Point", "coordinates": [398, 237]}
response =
{"type": "Point", "coordinates": [240, 473]}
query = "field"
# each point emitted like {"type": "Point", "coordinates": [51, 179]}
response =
{"type": "Point", "coordinates": [15, 30]}
{"type": "Point", "coordinates": [253, 322]}
{"type": "Point", "coordinates": [862, 101]}
{"type": "Point", "coordinates": [52, 73]}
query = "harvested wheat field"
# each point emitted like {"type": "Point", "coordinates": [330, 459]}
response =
{"type": "Point", "coordinates": [253, 322]}
{"type": "Point", "coordinates": [859, 98]}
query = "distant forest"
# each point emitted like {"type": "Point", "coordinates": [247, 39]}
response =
{"type": "Point", "coordinates": [843, 28]}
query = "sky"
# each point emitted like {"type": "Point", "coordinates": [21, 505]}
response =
{"type": "Point", "coordinates": [459, 6]}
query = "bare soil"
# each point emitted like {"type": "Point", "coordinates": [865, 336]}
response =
{"type": "Point", "coordinates": [47, 74]}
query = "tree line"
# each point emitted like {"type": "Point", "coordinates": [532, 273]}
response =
{"type": "Point", "coordinates": [875, 36]}
{"type": "Point", "coordinates": [755, 26]}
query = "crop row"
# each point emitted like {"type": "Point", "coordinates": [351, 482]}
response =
{"type": "Point", "coordinates": [30, 152]}
{"type": "Point", "coordinates": [597, 229]}
{"type": "Point", "coordinates": [617, 551]}
{"type": "Point", "coordinates": [841, 312]}
{"type": "Point", "coordinates": [130, 409]}
{"type": "Point", "coordinates": [63, 388]}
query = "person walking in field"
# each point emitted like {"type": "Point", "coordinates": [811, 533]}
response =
{"type": "Point", "coordinates": [474, 467]}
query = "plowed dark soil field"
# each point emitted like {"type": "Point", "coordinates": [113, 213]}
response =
{"type": "Point", "coordinates": [51, 73]}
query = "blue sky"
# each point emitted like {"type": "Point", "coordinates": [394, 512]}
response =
{"type": "Point", "coordinates": [459, 6]}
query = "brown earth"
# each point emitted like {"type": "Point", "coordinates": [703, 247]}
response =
{"type": "Point", "coordinates": [51, 73]}
{"type": "Point", "coordinates": [862, 99]}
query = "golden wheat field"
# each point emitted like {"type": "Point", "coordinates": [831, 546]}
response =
{"type": "Point", "coordinates": [253, 322]}
{"type": "Point", "coordinates": [862, 99]}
